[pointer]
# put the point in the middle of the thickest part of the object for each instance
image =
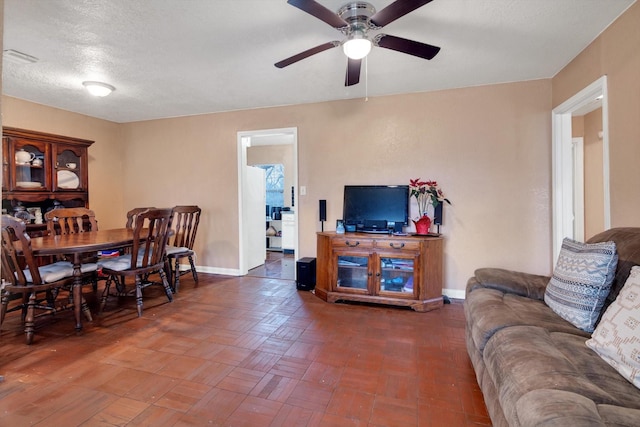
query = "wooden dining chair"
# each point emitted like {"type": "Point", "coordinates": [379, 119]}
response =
{"type": "Point", "coordinates": [185, 227]}
{"type": "Point", "coordinates": [147, 256]}
{"type": "Point", "coordinates": [37, 285]}
{"type": "Point", "coordinates": [133, 214]}
{"type": "Point", "coordinates": [73, 221]}
{"type": "Point", "coordinates": [70, 221]}
{"type": "Point", "coordinates": [131, 220]}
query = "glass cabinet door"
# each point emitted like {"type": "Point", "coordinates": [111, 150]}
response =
{"type": "Point", "coordinates": [353, 272]}
{"type": "Point", "coordinates": [30, 166]}
{"type": "Point", "coordinates": [5, 163]}
{"type": "Point", "coordinates": [396, 275]}
{"type": "Point", "coordinates": [69, 167]}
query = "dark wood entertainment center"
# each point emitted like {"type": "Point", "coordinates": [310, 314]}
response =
{"type": "Point", "coordinates": [380, 268]}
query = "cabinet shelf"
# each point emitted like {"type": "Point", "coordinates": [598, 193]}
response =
{"type": "Point", "coordinates": [18, 165]}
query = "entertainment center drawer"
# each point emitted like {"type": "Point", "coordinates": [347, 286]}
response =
{"type": "Point", "coordinates": [352, 242]}
{"type": "Point", "coordinates": [406, 245]}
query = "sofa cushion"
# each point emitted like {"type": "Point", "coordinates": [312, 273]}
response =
{"type": "Point", "coordinates": [619, 416]}
{"type": "Point", "coordinates": [556, 408]}
{"type": "Point", "coordinates": [515, 282]}
{"type": "Point", "coordinates": [617, 337]}
{"type": "Point", "coordinates": [581, 281]}
{"type": "Point", "coordinates": [489, 310]}
{"type": "Point", "coordinates": [628, 246]}
{"type": "Point", "coordinates": [521, 359]}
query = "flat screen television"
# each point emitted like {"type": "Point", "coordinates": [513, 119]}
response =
{"type": "Point", "coordinates": [376, 208]}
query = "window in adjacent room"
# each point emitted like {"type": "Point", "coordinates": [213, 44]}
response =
{"type": "Point", "coordinates": [274, 184]}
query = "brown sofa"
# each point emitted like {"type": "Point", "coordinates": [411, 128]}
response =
{"type": "Point", "coordinates": [533, 367]}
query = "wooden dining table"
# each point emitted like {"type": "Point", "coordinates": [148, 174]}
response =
{"type": "Point", "coordinates": [76, 245]}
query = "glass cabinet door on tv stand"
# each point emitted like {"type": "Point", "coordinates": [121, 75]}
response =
{"type": "Point", "coordinates": [353, 274]}
{"type": "Point", "coordinates": [396, 275]}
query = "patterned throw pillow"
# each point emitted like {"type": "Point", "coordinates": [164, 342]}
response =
{"type": "Point", "coordinates": [581, 281]}
{"type": "Point", "coordinates": [617, 337]}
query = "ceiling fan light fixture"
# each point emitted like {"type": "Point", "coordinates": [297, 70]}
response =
{"type": "Point", "coordinates": [357, 46]}
{"type": "Point", "coordinates": [98, 88]}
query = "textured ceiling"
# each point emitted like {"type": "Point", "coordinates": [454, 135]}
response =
{"type": "Point", "coordinates": [171, 58]}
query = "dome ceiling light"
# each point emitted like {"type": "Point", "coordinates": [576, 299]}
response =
{"type": "Point", "coordinates": [98, 88]}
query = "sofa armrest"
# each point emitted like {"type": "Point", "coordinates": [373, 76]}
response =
{"type": "Point", "coordinates": [513, 282]}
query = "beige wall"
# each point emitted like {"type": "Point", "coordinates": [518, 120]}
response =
{"type": "Point", "coordinates": [593, 175]}
{"type": "Point", "coordinates": [588, 128]}
{"type": "Point", "coordinates": [616, 54]}
{"type": "Point", "coordinates": [577, 126]}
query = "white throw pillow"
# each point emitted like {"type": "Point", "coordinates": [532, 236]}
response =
{"type": "Point", "coordinates": [617, 337]}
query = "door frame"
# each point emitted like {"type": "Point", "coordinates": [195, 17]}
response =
{"type": "Point", "coordinates": [594, 95]}
{"type": "Point", "coordinates": [256, 138]}
{"type": "Point", "coordinates": [578, 187]}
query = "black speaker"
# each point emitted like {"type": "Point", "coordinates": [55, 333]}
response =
{"type": "Point", "coordinates": [323, 210]}
{"type": "Point", "coordinates": [306, 274]}
{"type": "Point", "coordinates": [437, 214]}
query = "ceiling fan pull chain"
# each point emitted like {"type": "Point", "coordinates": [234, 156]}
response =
{"type": "Point", "coordinates": [366, 78]}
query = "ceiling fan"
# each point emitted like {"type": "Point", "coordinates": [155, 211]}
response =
{"type": "Point", "coordinates": [355, 20]}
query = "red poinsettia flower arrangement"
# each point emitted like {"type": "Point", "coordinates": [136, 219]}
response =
{"type": "Point", "coordinates": [426, 193]}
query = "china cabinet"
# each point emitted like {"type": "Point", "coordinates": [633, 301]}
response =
{"type": "Point", "coordinates": [384, 269]}
{"type": "Point", "coordinates": [41, 171]}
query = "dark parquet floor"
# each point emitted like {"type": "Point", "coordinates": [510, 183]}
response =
{"type": "Point", "coordinates": [241, 351]}
{"type": "Point", "coordinates": [277, 265]}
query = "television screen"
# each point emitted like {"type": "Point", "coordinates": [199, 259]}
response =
{"type": "Point", "coordinates": [376, 207]}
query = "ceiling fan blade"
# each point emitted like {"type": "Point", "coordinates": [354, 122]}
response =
{"type": "Point", "coordinates": [307, 53]}
{"type": "Point", "coordinates": [411, 47]}
{"type": "Point", "coordinates": [396, 10]}
{"type": "Point", "coordinates": [353, 72]}
{"type": "Point", "coordinates": [319, 11]}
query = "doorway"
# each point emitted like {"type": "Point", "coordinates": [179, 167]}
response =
{"type": "Point", "coordinates": [566, 180]}
{"type": "Point", "coordinates": [278, 265]}
{"type": "Point", "coordinates": [264, 141]}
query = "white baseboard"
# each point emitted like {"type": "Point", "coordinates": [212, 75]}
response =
{"type": "Point", "coordinates": [454, 293]}
{"type": "Point", "coordinates": [216, 270]}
